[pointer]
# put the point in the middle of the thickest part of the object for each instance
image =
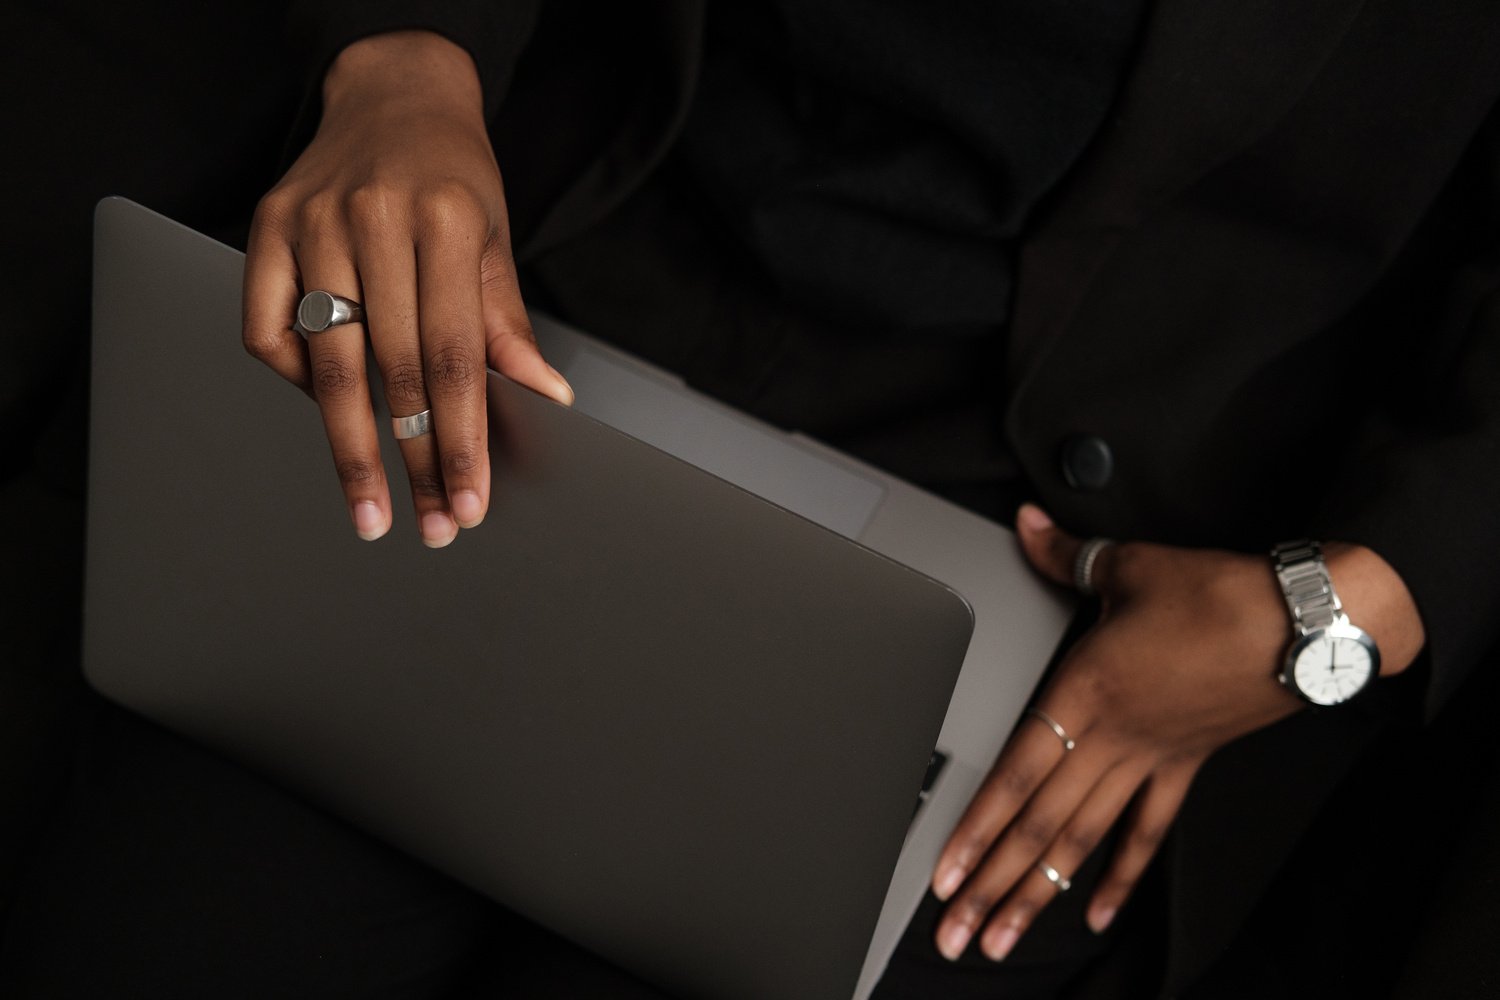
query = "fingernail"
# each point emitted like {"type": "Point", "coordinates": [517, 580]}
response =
{"type": "Point", "coordinates": [952, 941]}
{"type": "Point", "coordinates": [437, 530]}
{"type": "Point", "coordinates": [369, 522]}
{"type": "Point", "coordinates": [567, 388]}
{"type": "Point", "coordinates": [467, 510]}
{"type": "Point", "coordinates": [1100, 918]}
{"type": "Point", "coordinates": [997, 944]}
{"type": "Point", "coordinates": [1033, 518]}
{"type": "Point", "coordinates": [948, 882]}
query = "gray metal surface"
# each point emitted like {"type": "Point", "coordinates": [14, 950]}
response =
{"type": "Point", "coordinates": [655, 407]}
{"type": "Point", "coordinates": [672, 721]}
{"type": "Point", "coordinates": [1018, 619]}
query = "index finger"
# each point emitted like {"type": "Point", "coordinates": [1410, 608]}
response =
{"type": "Point", "coordinates": [270, 302]}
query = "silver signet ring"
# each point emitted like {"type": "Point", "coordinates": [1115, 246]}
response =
{"type": "Point", "coordinates": [320, 310]}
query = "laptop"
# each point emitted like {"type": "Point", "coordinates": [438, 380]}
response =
{"type": "Point", "coordinates": [701, 695]}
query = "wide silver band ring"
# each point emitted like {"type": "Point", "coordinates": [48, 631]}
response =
{"type": "Point", "coordinates": [1054, 876]}
{"type": "Point", "coordinates": [1083, 565]}
{"type": "Point", "coordinates": [320, 310]}
{"type": "Point", "coordinates": [1052, 724]}
{"type": "Point", "coordinates": [413, 426]}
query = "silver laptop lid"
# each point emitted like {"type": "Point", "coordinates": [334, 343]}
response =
{"type": "Point", "coordinates": [658, 714]}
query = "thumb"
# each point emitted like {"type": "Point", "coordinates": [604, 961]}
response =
{"type": "Point", "coordinates": [510, 344]}
{"type": "Point", "coordinates": [513, 353]}
{"type": "Point", "coordinates": [1050, 550]}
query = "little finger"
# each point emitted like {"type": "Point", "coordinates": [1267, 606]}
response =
{"type": "Point", "coordinates": [1150, 817]}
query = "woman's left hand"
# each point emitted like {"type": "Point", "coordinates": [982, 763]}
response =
{"type": "Point", "coordinates": [1182, 660]}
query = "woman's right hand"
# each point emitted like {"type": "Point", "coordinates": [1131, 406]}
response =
{"type": "Point", "coordinates": [397, 204]}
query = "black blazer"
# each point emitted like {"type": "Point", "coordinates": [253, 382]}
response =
{"type": "Point", "coordinates": [1268, 287]}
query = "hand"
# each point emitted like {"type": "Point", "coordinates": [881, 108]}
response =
{"type": "Point", "coordinates": [397, 203]}
{"type": "Point", "coordinates": [1182, 661]}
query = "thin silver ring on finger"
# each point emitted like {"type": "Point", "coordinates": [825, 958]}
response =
{"type": "Point", "coordinates": [1055, 877]}
{"type": "Point", "coordinates": [1083, 565]}
{"type": "Point", "coordinates": [413, 426]}
{"type": "Point", "coordinates": [1055, 726]}
{"type": "Point", "coordinates": [320, 310]}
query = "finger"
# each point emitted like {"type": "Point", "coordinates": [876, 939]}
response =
{"type": "Point", "coordinates": [450, 241]}
{"type": "Point", "coordinates": [510, 344]}
{"type": "Point", "coordinates": [270, 300]}
{"type": "Point", "coordinates": [1145, 828]}
{"type": "Point", "coordinates": [337, 364]}
{"type": "Point", "coordinates": [1050, 550]}
{"type": "Point", "coordinates": [1028, 758]}
{"type": "Point", "coordinates": [387, 267]}
{"type": "Point", "coordinates": [1066, 855]}
{"type": "Point", "coordinates": [1016, 852]}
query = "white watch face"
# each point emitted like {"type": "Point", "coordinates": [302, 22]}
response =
{"type": "Point", "coordinates": [1332, 668]}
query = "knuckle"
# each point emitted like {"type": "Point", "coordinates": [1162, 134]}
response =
{"type": "Point", "coordinates": [451, 207]}
{"type": "Point", "coordinates": [510, 343]}
{"type": "Point", "coordinates": [372, 205]}
{"type": "Point", "coordinates": [1099, 679]}
{"type": "Point", "coordinates": [356, 472]}
{"type": "Point", "coordinates": [975, 906]}
{"type": "Point", "coordinates": [1081, 840]}
{"type": "Point", "coordinates": [969, 848]}
{"type": "Point", "coordinates": [405, 383]}
{"type": "Point", "coordinates": [1033, 833]}
{"type": "Point", "coordinates": [334, 378]}
{"type": "Point", "coordinates": [427, 486]}
{"type": "Point", "coordinates": [1180, 767]}
{"type": "Point", "coordinates": [1023, 910]}
{"type": "Point", "coordinates": [261, 343]}
{"type": "Point", "coordinates": [1114, 889]}
{"type": "Point", "coordinates": [318, 211]}
{"type": "Point", "coordinates": [461, 462]}
{"type": "Point", "coordinates": [517, 329]}
{"type": "Point", "coordinates": [497, 269]}
{"type": "Point", "coordinates": [1015, 780]}
{"type": "Point", "coordinates": [1147, 837]}
{"type": "Point", "coordinates": [452, 369]}
{"type": "Point", "coordinates": [274, 211]}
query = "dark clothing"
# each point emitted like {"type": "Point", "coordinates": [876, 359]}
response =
{"type": "Point", "coordinates": [1281, 196]}
{"type": "Point", "coordinates": [1269, 289]}
{"type": "Point", "coordinates": [871, 168]}
{"type": "Point", "coordinates": [877, 162]}
{"type": "Point", "coordinates": [1279, 255]}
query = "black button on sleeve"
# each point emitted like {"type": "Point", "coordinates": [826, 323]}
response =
{"type": "Point", "coordinates": [1087, 462]}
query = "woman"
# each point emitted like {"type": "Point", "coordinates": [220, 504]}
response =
{"type": "Point", "coordinates": [1043, 271]}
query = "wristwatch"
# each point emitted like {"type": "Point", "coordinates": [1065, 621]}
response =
{"type": "Point", "coordinates": [1330, 660]}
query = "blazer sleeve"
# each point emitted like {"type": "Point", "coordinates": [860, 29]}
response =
{"type": "Point", "coordinates": [494, 33]}
{"type": "Point", "coordinates": [1423, 486]}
